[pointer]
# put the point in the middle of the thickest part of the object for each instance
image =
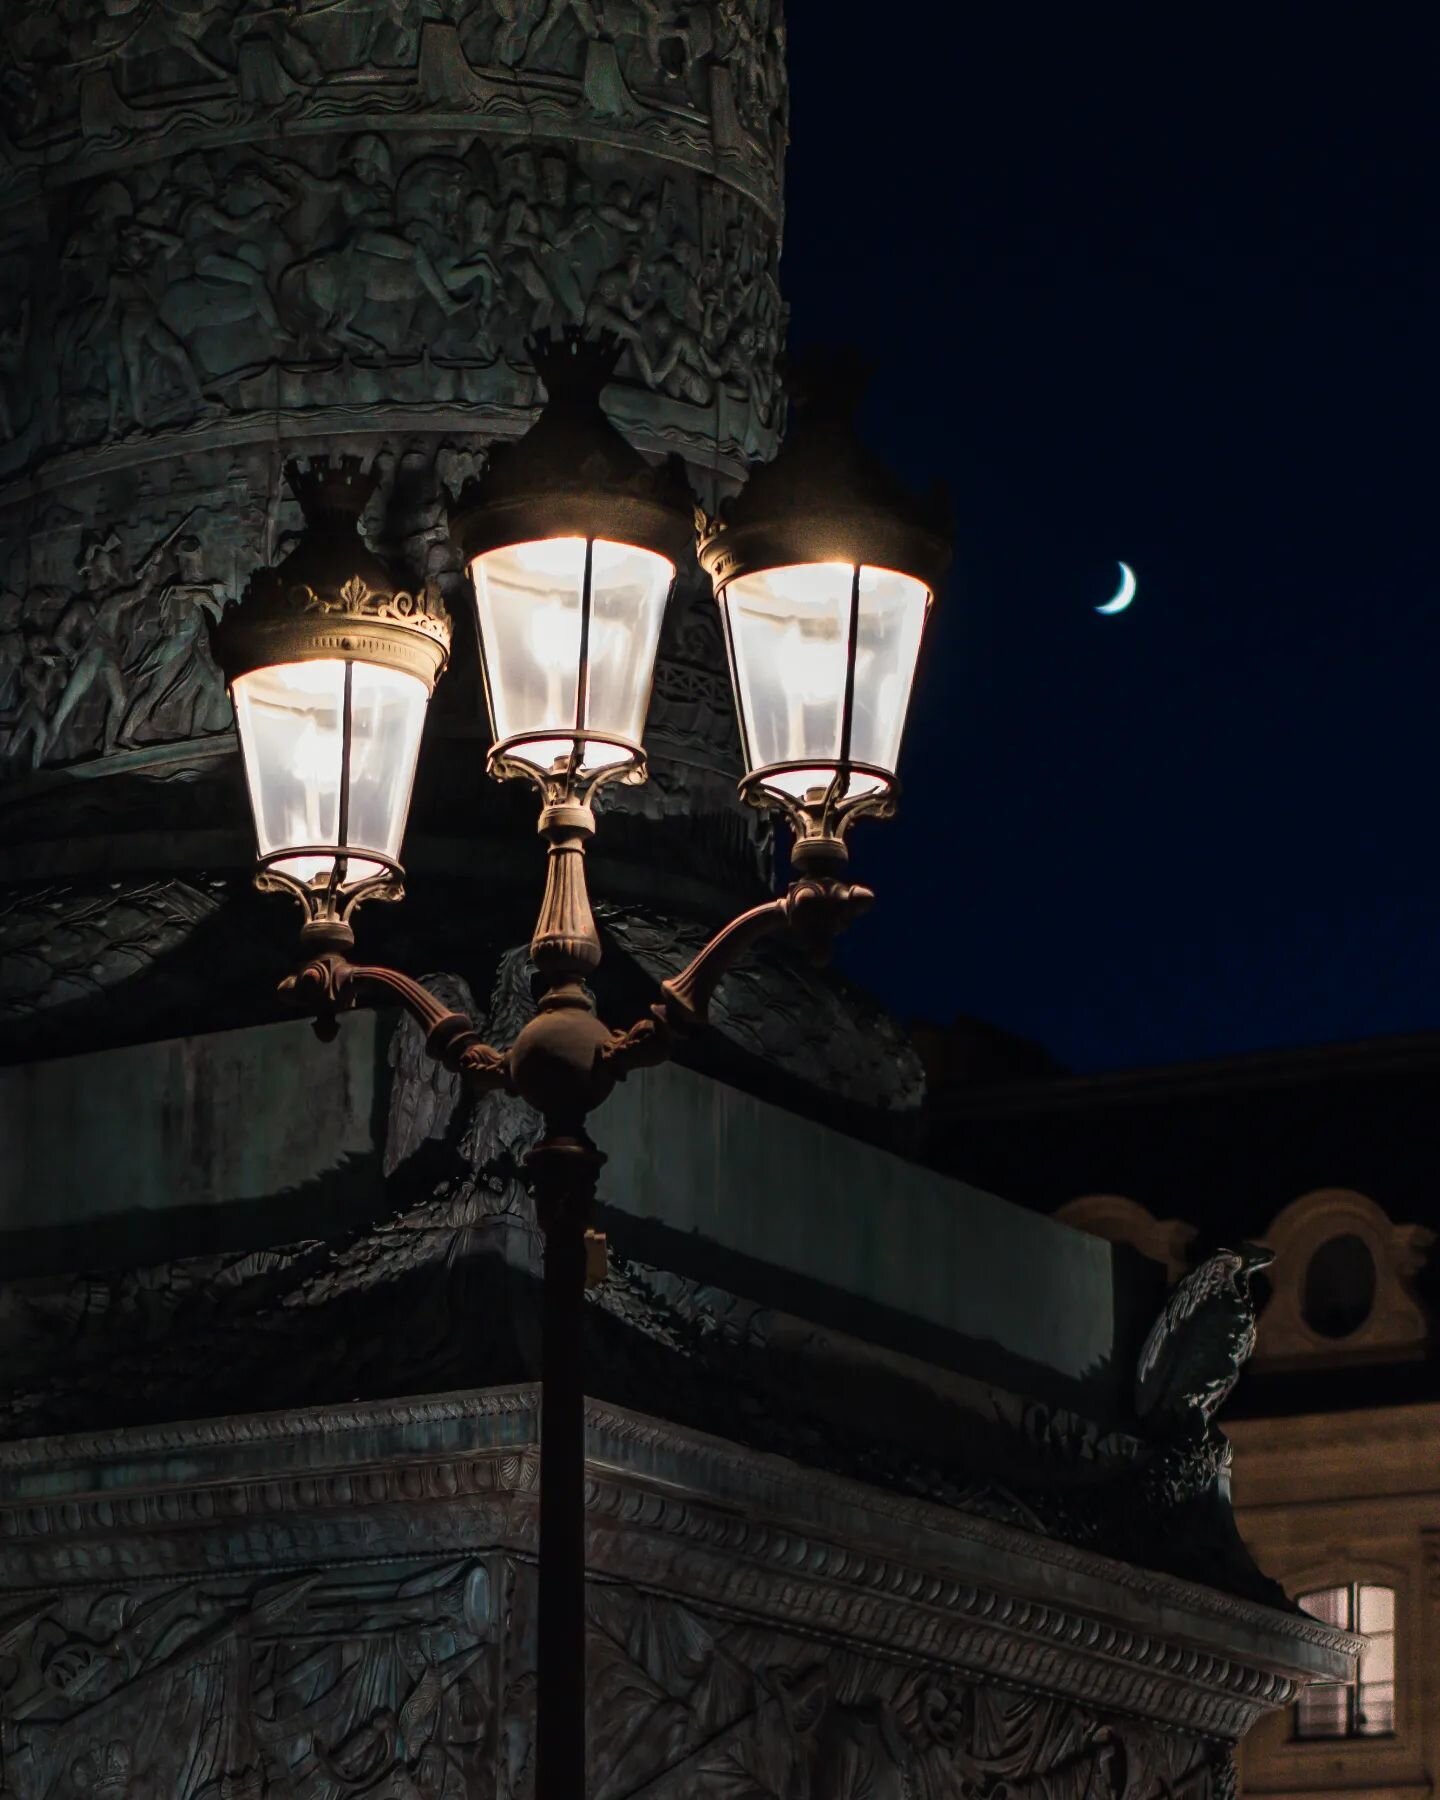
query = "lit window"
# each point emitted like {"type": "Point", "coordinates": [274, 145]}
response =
{"type": "Point", "coordinates": [1364, 1707]}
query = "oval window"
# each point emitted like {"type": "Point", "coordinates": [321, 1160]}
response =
{"type": "Point", "coordinates": [1339, 1287]}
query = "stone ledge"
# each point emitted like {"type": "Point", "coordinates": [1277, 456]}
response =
{"type": "Point", "coordinates": [674, 1511]}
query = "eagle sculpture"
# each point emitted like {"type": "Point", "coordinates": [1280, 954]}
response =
{"type": "Point", "coordinates": [1199, 1344]}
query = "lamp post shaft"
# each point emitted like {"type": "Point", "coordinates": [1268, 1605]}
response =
{"type": "Point", "coordinates": [563, 1170]}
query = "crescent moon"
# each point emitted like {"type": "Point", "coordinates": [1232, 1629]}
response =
{"type": "Point", "coordinates": [1125, 595]}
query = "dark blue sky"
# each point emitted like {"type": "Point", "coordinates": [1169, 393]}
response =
{"type": "Point", "coordinates": [1158, 284]}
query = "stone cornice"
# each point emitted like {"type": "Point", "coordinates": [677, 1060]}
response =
{"type": "Point", "coordinates": [672, 1510]}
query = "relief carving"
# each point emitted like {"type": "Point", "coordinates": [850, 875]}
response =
{"type": "Point", "coordinates": [119, 660]}
{"type": "Point", "coordinates": [700, 78]}
{"type": "Point", "coordinates": [231, 221]}
{"type": "Point", "coordinates": [405, 1684]}
{"type": "Point", "coordinates": [687, 1706]}
{"type": "Point", "coordinates": [346, 273]}
{"type": "Point", "coordinates": [374, 1682]}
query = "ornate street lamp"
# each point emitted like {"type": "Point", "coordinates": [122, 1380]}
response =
{"type": "Point", "coordinates": [825, 569]}
{"type": "Point", "coordinates": [331, 665]}
{"type": "Point", "coordinates": [572, 541]}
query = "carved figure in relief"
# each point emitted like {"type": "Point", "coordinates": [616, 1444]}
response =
{"type": "Point", "coordinates": [276, 25]}
{"type": "Point", "coordinates": [229, 281]}
{"type": "Point", "coordinates": [599, 231]}
{"type": "Point", "coordinates": [553, 215]}
{"type": "Point", "coordinates": [146, 342]}
{"type": "Point", "coordinates": [40, 680]}
{"type": "Point", "coordinates": [372, 260]}
{"type": "Point", "coordinates": [178, 670]}
{"type": "Point", "coordinates": [598, 27]}
{"type": "Point", "coordinates": [93, 636]}
{"type": "Point", "coordinates": [523, 250]}
{"type": "Point", "coordinates": [518, 19]}
{"type": "Point", "coordinates": [87, 351]}
{"type": "Point", "coordinates": [615, 309]}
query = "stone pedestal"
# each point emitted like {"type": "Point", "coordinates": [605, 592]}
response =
{"type": "Point", "coordinates": [340, 1602]}
{"type": "Point", "coordinates": [870, 1514]}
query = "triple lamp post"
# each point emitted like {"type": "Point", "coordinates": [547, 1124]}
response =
{"type": "Point", "coordinates": [824, 569]}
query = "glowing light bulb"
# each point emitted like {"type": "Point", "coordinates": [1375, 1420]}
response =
{"type": "Point", "coordinates": [557, 559]}
{"type": "Point", "coordinates": [810, 669]}
{"type": "Point", "coordinates": [552, 634]}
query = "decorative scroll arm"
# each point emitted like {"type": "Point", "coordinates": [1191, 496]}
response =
{"type": "Point", "coordinates": [817, 908]}
{"type": "Point", "coordinates": [566, 1061]}
{"type": "Point", "coordinates": [328, 985]}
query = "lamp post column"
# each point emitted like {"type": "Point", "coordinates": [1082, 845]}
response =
{"type": "Point", "coordinates": [563, 1171]}
{"type": "Point", "coordinates": [559, 1064]}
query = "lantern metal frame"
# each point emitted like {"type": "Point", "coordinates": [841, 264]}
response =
{"type": "Point", "coordinates": [573, 475]}
{"type": "Point", "coordinates": [333, 600]}
{"type": "Point", "coordinates": [824, 499]}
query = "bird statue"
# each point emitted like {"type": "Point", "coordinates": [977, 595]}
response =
{"type": "Point", "coordinates": [1199, 1344]}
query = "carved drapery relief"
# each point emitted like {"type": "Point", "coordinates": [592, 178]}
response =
{"type": "Point", "coordinates": [416, 1683]}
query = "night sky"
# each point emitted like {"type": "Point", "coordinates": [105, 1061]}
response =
{"type": "Point", "coordinates": [1157, 284]}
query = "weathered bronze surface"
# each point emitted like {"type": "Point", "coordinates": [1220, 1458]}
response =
{"type": "Point", "coordinates": [233, 235]}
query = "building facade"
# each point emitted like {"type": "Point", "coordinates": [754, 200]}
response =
{"type": "Point", "coordinates": [1326, 1158]}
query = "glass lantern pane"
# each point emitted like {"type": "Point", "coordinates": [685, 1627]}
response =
{"type": "Point", "coordinates": [289, 718]}
{"type": "Point", "coordinates": [790, 638]}
{"type": "Point", "coordinates": [387, 709]}
{"type": "Point", "coordinates": [887, 647]}
{"type": "Point", "coordinates": [628, 589]}
{"type": "Point", "coordinates": [528, 602]}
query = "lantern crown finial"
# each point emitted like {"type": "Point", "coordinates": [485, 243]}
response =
{"type": "Point", "coordinates": [332, 491]}
{"type": "Point", "coordinates": [574, 365]}
{"type": "Point", "coordinates": [573, 474]}
{"type": "Point", "coordinates": [827, 497]}
{"type": "Point", "coordinates": [331, 595]}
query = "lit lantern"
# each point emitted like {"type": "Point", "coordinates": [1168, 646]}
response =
{"type": "Point", "coordinates": [825, 569]}
{"type": "Point", "coordinates": [572, 540]}
{"type": "Point", "coordinates": [331, 667]}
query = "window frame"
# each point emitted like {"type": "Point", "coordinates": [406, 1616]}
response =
{"type": "Point", "coordinates": [1353, 1590]}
